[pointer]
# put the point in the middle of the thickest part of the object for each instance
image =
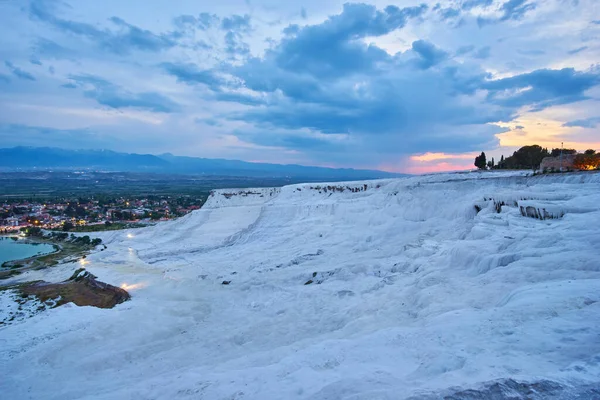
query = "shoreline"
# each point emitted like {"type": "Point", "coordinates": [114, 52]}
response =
{"type": "Point", "coordinates": [27, 240]}
{"type": "Point", "coordinates": [63, 252]}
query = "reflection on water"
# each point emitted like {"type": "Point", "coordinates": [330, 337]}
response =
{"type": "Point", "coordinates": [11, 248]}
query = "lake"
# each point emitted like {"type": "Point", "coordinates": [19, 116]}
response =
{"type": "Point", "coordinates": [11, 249]}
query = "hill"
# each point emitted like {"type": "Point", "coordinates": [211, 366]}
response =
{"type": "Point", "coordinates": [29, 158]}
{"type": "Point", "coordinates": [427, 287]}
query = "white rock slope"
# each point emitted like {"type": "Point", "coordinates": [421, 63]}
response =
{"type": "Point", "coordinates": [366, 290]}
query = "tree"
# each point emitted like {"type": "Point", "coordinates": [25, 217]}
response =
{"type": "Point", "coordinates": [501, 163]}
{"type": "Point", "coordinates": [67, 226]}
{"type": "Point", "coordinates": [556, 152]}
{"type": "Point", "coordinates": [33, 231]}
{"type": "Point", "coordinates": [589, 152]}
{"type": "Point", "coordinates": [587, 161]}
{"type": "Point", "coordinates": [62, 236]}
{"type": "Point", "coordinates": [480, 161]}
{"type": "Point", "coordinates": [156, 216]}
{"type": "Point", "coordinates": [526, 157]}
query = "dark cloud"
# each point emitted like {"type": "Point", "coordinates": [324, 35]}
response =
{"type": "Point", "coordinates": [542, 88]}
{"type": "Point", "coordinates": [429, 55]}
{"type": "Point", "coordinates": [4, 78]}
{"type": "Point", "coordinates": [323, 78]}
{"type": "Point", "coordinates": [290, 140]}
{"type": "Point", "coordinates": [18, 72]}
{"type": "Point", "coordinates": [333, 48]}
{"type": "Point", "coordinates": [191, 75]}
{"type": "Point", "coordinates": [584, 123]}
{"type": "Point", "coordinates": [113, 96]}
{"type": "Point", "coordinates": [35, 61]}
{"type": "Point", "coordinates": [303, 13]}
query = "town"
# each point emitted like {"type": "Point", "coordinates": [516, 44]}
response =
{"type": "Point", "coordinates": [94, 214]}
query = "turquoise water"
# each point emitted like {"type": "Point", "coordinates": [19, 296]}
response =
{"type": "Point", "coordinates": [11, 249]}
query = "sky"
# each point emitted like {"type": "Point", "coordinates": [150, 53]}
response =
{"type": "Point", "coordinates": [405, 86]}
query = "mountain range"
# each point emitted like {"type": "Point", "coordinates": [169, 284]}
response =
{"type": "Point", "coordinates": [50, 158]}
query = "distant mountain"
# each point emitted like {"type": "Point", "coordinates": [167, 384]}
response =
{"type": "Point", "coordinates": [46, 158]}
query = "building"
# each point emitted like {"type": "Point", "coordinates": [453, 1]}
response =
{"type": "Point", "coordinates": [555, 164]}
{"type": "Point", "coordinates": [11, 221]}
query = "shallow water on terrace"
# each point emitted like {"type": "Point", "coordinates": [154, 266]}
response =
{"type": "Point", "coordinates": [12, 248]}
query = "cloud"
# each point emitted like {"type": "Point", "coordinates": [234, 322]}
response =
{"type": "Point", "coordinates": [18, 72]}
{"type": "Point", "coordinates": [483, 53]}
{"type": "Point", "coordinates": [207, 121]}
{"type": "Point", "coordinates": [516, 9]}
{"type": "Point", "coordinates": [234, 44]}
{"type": "Point", "coordinates": [292, 140]}
{"type": "Point", "coordinates": [236, 26]}
{"type": "Point", "coordinates": [46, 48]}
{"type": "Point", "coordinates": [324, 79]}
{"type": "Point", "coordinates": [577, 50]}
{"type": "Point", "coordinates": [361, 85]}
{"type": "Point", "coordinates": [448, 13]}
{"type": "Point", "coordinates": [464, 50]}
{"type": "Point", "coordinates": [4, 78]}
{"type": "Point", "coordinates": [441, 156]}
{"type": "Point", "coordinates": [428, 53]}
{"type": "Point", "coordinates": [470, 4]}
{"type": "Point", "coordinates": [512, 10]}
{"type": "Point", "coordinates": [203, 22]}
{"type": "Point", "coordinates": [190, 74]}
{"type": "Point", "coordinates": [542, 88]}
{"type": "Point", "coordinates": [334, 48]}
{"type": "Point", "coordinates": [35, 61]}
{"type": "Point", "coordinates": [236, 23]}
{"type": "Point", "coordinates": [531, 52]}
{"type": "Point", "coordinates": [584, 123]}
{"type": "Point", "coordinates": [123, 40]}
{"type": "Point", "coordinates": [113, 96]}
{"type": "Point", "coordinates": [25, 135]}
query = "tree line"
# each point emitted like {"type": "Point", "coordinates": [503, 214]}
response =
{"type": "Point", "coordinates": [530, 157]}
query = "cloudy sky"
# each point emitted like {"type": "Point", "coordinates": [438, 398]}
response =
{"type": "Point", "coordinates": [411, 86]}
